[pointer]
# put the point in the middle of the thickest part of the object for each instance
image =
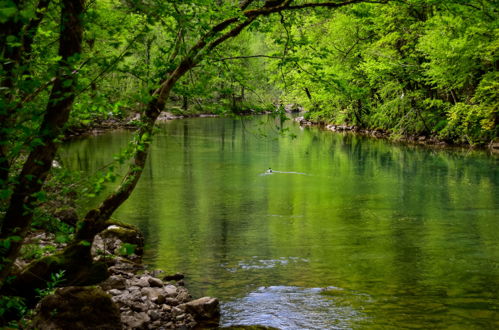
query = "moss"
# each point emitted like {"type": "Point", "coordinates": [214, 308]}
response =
{"type": "Point", "coordinates": [127, 234]}
{"type": "Point", "coordinates": [78, 308]}
{"type": "Point", "coordinates": [74, 260]}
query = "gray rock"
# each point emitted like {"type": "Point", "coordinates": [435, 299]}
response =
{"type": "Point", "coordinates": [155, 325]}
{"type": "Point", "coordinates": [155, 282]}
{"type": "Point", "coordinates": [170, 290]}
{"type": "Point", "coordinates": [136, 320]}
{"type": "Point", "coordinates": [135, 295]}
{"type": "Point", "coordinates": [153, 293]}
{"type": "Point", "coordinates": [206, 308]}
{"type": "Point", "coordinates": [115, 292]}
{"type": "Point", "coordinates": [113, 282]}
{"type": "Point", "coordinates": [133, 288]}
{"type": "Point", "coordinates": [154, 315]}
{"type": "Point", "coordinates": [138, 307]}
{"type": "Point", "coordinates": [183, 295]}
{"type": "Point", "coordinates": [171, 301]}
{"type": "Point", "coordinates": [177, 311]}
{"type": "Point", "coordinates": [140, 282]}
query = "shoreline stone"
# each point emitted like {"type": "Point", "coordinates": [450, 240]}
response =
{"type": "Point", "coordinates": [429, 141]}
{"type": "Point", "coordinates": [144, 300]}
{"type": "Point", "coordinates": [130, 298]}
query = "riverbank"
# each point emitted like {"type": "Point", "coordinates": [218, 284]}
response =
{"type": "Point", "coordinates": [101, 126]}
{"type": "Point", "coordinates": [131, 123]}
{"type": "Point", "coordinates": [430, 141]}
{"type": "Point", "coordinates": [132, 297]}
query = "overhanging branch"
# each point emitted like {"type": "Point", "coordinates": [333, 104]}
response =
{"type": "Point", "coordinates": [244, 57]}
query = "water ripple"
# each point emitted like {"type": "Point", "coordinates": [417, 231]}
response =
{"type": "Point", "coordinates": [262, 263]}
{"type": "Point", "coordinates": [288, 307]}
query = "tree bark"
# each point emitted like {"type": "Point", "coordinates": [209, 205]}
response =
{"type": "Point", "coordinates": [17, 219]}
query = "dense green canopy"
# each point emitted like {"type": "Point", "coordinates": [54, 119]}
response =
{"type": "Point", "coordinates": [409, 67]}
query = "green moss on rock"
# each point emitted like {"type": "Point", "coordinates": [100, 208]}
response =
{"type": "Point", "coordinates": [77, 308]}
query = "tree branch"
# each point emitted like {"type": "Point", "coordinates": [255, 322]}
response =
{"type": "Point", "coordinates": [95, 218]}
{"type": "Point", "coordinates": [243, 57]}
{"type": "Point", "coordinates": [334, 4]}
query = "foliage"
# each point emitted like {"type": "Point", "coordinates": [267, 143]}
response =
{"type": "Point", "coordinates": [12, 307]}
{"type": "Point", "coordinates": [418, 67]}
{"type": "Point", "coordinates": [55, 280]}
{"type": "Point", "coordinates": [410, 67]}
{"type": "Point", "coordinates": [127, 249]}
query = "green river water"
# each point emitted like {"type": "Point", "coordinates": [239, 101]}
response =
{"type": "Point", "coordinates": [347, 232]}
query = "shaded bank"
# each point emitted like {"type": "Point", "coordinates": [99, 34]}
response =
{"type": "Point", "coordinates": [432, 140]}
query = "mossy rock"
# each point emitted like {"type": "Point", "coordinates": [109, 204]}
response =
{"type": "Point", "coordinates": [127, 234]}
{"type": "Point", "coordinates": [77, 308]}
{"type": "Point", "coordinates": [78, 269]}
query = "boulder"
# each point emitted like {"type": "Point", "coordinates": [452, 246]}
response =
{"type": "Point", "coordinates": [112, 239]}
{"type": "Point", "coordinates": [155, 282]}
{"type": "Point", "coordinates": [170, 291]}
{"type": "Point", "coordinates": [203, 309]}
{"type": "Point", "coordinates": [77, 308]}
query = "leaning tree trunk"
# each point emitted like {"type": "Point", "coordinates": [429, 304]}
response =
{"type": "Point", "coordinates": [19, 214]}
{"type": "Point", "coordinates": [97, 219]}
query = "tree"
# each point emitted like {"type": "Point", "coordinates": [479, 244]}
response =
{"type": "Point", "coordinates": [410, 68]}
{"type": "Point", "coordinates": [23, 187]}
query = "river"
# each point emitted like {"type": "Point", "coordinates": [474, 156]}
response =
{"type": "Point", "coordinates": [345, 232]}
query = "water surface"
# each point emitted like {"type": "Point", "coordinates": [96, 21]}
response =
{"type": "Point", "coordinates": [346, 232]}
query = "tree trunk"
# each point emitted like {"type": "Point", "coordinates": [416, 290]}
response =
{"type": "Point", "coordinates": [17, 58]}
{"type": "Point", "coordinates": [17, 219]}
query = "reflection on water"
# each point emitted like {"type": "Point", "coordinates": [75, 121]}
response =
{"type": "Point", "coordinates": [410, 234]}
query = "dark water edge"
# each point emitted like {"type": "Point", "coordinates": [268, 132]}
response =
{"type": "Point", "coordinates": [347, 232]}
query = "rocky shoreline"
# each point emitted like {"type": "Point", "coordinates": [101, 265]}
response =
{"type": "Point", "coordinates": [381, 134]}
{"type": "Point", "coordinates": [130, 298]}
{"type": "Point", "coordinates": [132, 121]}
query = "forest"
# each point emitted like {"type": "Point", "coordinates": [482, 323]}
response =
{"type": "Point", "coordinates": [423, 68]}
